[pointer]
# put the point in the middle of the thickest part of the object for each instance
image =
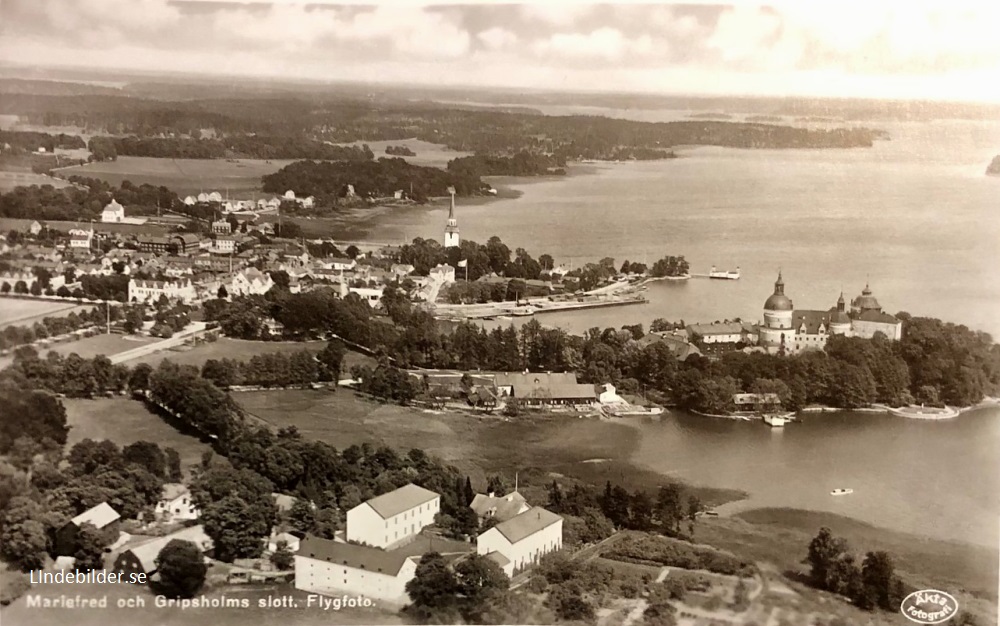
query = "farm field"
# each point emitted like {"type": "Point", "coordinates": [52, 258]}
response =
{"type": "Point", "coordinates": [240, 350]}
{"type": "Point", "coordinates": [89, 347]}
{"type": "Point", "coordinates": [9, 180]}
{"type": "Point", "coordinates": [21, 312]}
{"type": "Point", "coordinates": [125, 421]}
{"type": "Point", "coordinates": [183, 176]}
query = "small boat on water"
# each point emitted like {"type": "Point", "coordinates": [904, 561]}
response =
{"type": "Point", "coordinates": [724, 275]}
{"type": "Point", "coordinates": [841, 492]}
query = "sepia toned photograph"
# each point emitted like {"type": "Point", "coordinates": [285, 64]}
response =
{"type": "Point", "coordinates": [320, 312]}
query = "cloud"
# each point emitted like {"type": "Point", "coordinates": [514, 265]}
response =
{"type": "Point", "coordinates": [917, 49]}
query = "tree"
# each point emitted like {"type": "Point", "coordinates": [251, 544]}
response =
{"type": "Point", "coordinates": [236, 530]}
{"type": "Point", "coordinates": [878, 583]}
{"type": "Point", "coordinates": [283, 559]}
{"type": "Point", "coordinates": [181, 568]}
{"type": "Point", "coordinates": [147, 455]}
{"type": "Point", "coordinates": [824, 551]}
{"type": "Point", "coordinates": [90, 544]}
{"type": "Point", "coordinates": [495, 485]}
{"type": "Point", "coordinates": [223, 293]}
{"type": "Point", "coordinates": [301, 516]}
{"type": "Point", "coordinates": [469, 492]}
{"type": "Point", "coordinates": [138, 380]}
{"type": "Point", "coordinates": [331, 358]}
{"type": "Point", "coordinates": [480, 581]}
{"type": "Point", "coordinates": [24, 544]}
{"type": "Point", "coordinates": [434, 586]}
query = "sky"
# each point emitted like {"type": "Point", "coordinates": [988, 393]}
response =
{"type": "Point", "coordinates": [942, 50]}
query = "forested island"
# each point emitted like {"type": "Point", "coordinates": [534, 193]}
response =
{"type": "Point", "coordinates": [328, 181]}
{"type": "Point", "coordinates": [521, 164]}
{"type": "Point", "coordinates": [993, 169]}
{"type": "Point", "coordinates": [402, 151]}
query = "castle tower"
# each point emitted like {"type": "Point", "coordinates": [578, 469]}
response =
{"type": "Point", "coordinates": [777, 334]}
{"type": "Point", "coordinates": [451, 237]}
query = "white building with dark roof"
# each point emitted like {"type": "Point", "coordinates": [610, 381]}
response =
{"type": "Point", "coordinates": [333, 568]}
{"type": "Point", "coordinates": [393, 518]}
{"type": "Point", "coordinates": [500, 508]}
{"type": "Point", "coordinates": [523, 539]}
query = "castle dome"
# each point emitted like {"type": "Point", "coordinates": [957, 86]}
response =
{"type": "Point", "coordinates": [866, 301]}
{"type": "Point", "coordinates": [778, 301]}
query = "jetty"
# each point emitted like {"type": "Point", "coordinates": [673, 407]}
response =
{"type": "Point", "coordinates": [534, 306]}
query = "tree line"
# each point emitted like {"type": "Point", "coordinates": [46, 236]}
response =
{"type": "Point", "coordinates": [328, 181]}
{"type": "Point", "coordinates": [44, 202]}
{"type": "Point", "coordinates": [29, 141]}
{"type": "Point", "coordinates": [232, 146]}
{"type": "Point", "coordinates": [522, 163]}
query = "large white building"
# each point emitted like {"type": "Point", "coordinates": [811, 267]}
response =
{"type": "Point", "coordinates": [523, 539]}
{"type": "Point", "coordinates": [175, 504]}
{"type": "Point", "coordinates": [334, 568]}
{"type": "Point", "coordinates": [113, 213]}
{"type": "Point", "coordinates": [79, 238]}
{"type": "Point", "coordinates": [787, 330]}
{"type": "Point", "coordinates": [151, 290]}
{"type": "Point", "coordinates": [393, 518]}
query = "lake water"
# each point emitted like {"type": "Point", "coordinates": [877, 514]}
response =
{"type": "Point", "coordinates": [936, 478]}
{"type": "Point", "coordinates": [914, 216]}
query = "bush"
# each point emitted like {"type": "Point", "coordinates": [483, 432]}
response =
{"type": "Point", "coordinates": [655, 550]}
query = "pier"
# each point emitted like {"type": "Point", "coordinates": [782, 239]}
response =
{"type": "Point", "coordinates": [532, 307]}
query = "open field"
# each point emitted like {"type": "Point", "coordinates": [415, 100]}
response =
{"type": "Point", "coordinates": [183, 176]}
{"type": "Point", "coordinates": [9, 180]}
{"type": "Point", "coordinates": [22, 312]}
{"type": "Point", "coordinates": [125, 421]}
{"type": "Point", "coordinates": [240, 350]}
{"type": "Point", "coordinates": [19, 614]}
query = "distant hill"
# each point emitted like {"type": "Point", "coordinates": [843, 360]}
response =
{"type": "Point", "coordinates": [994, 167]}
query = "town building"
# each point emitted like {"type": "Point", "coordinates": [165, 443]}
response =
{"type": "Point", "coordinates": [151, 290]}
{"type": "Point", "coordinates": [81, 239]}
{"type": "Point", "coordinates": [102, 517]}
{"type": "Point", "coordinates": [393, 518]}
{"type": "Point", "coordinates": [721, 332]}
{"type": "Point", "coordinates": [444, 274]}
{"type": "Point", "coordinates": [523, 539]}
{"type": "Point", "coordinates": [141, 559]}
{"type": "Point", "coordinates": [175, 504]}
{"type": "Point", "coordinates": [113, 213]}
{"type": "Point", "coordinates": [787, 330]}
{"type": "Point", "coordinates": [183, 243]}
{"type": "Point", "coordinates": [451, 235]}
{"type": "Point", "coordinates": [500, 508]}
{"type": "Point", "coordinates": [249, 282]}
{"type": "Point", "coordinates": [232, 244]}
{"type": "Point", "coordinates": [222, 227]}
{"type": "Point", "coordinates": [291, 542]}
{"type": "Point", "coordinates": [331, 567]}
{"type": "Point", "coordinates": [371, 295]}
{"type": "Point", "coordinates": [544, 388]}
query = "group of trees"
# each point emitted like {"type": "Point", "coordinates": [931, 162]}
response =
{"type": "Point", "coordinates": [47, 489]}
{"type": "Point", "coordinates": [71, 375]}
{"type": "Point", "coordinates": [400, 151]}
{"type": "Point", "coordinates": [670, 266]}
{"type": "Point", "coordinates": [522, 163]}
{"type": "Point", "coordinates": [494, 257]}
{"type": "Point", "coordinates": [83, 201]}
{"type": "Point", "coordinates": [29, 141]}
{"type": "Point", "coordinates": [195, 401]}
{"type": "Point", "coordinates": [872, 585]}
{"type": "Point", "coordinates": [13, 336]}
{"type": "Point", "coordinates": [466, 593]}
{"type": "Point", "coordinates": [327, 181]}
{"type": "Point", "coordinates": [277, 369]}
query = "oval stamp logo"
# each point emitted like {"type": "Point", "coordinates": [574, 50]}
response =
{"type": "Point", "coordinates": [929, 606]}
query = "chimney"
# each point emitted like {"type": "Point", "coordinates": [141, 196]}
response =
{"type": "Point", "coordinates": [491, 494]}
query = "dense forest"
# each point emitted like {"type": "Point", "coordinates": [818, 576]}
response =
{"type": "Point", "coordinates": [73, 203]}
{"type": "Point", "coordinates": [235, 146]}
{"type": "Point", "coordinates": [401, 151]}
{"type": "Point", "coordinates": [521, 164]}
{"type": "Point", "coordinates": [328, 181]}
{"type": "Point", "coordinates": [491, 132]}
{"type": "Point", "coordinates": [32, 141]}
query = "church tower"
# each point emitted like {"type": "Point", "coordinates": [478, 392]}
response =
{"type": "Point", "coordinates": [451, 238]}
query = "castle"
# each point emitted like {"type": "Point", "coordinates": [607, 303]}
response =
{"type": "Point", "coordinates": [787, 330]}
{"type": "Point", "coordinates": [451, 238]}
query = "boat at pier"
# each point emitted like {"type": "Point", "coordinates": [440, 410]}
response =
{"type": "Point", "coordinates": [775, 421]}
{"type": "Point", "coordinates": [841, 492]}
{"type": "Point", "coordinates": [724, 275]}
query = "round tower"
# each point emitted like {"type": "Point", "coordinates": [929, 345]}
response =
{"type": "Point", "coordinates": [777, 331]}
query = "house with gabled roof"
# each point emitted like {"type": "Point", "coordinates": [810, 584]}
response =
{"type": "Point", "coordinates": [334, 568]}
{"type": "Point", "coordinates": [392, 519]}
{"type": "Point", "coordinates": [522, 540]}
{"type": "Point", "coordinates": [142, 557]}
{"type": "Point", "coordinates": [102, 517]}
{"type": "Point", "coordinates": [501, 508]}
